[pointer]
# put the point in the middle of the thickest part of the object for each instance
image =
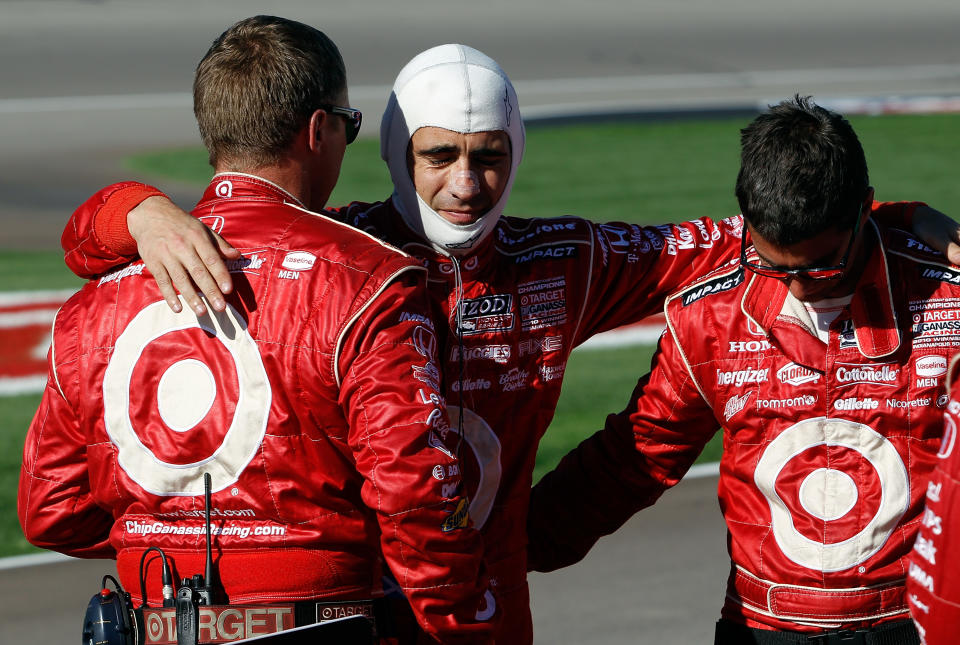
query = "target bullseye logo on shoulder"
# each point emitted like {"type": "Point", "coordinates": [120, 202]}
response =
{"type": "Point", "coordinates": [183, 396]}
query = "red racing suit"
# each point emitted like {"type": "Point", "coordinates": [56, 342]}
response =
{"type": "Point", "coordinates": [532, 292]}
{"type": "Point", "coordinates": [933, 586]}
{"type": "Point", "coordinates": [313, 401]}
{"type": "Point", "coordinates": [827, 448]}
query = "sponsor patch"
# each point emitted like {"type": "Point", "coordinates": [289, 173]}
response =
{"type": "Point", "coordinates": [716, 285]}
{"type": "Point", "coordinates": [427, 373]}
{"type": "Point", "coordinates": [545, 345]}
{"type": "Point", "coordinates": [509, 239]}
{"type": "Point", "coordinates": [930, 366]}
{"type": "Point", "coordinates": [486, 314]}
{"type": "Point", "coordinates": [513, 380]}
{"type": "Point", "coordinates": [854, 403]}
{"type": "Point", "coordinates": [735, 404]}
{"type": "Point", "coordinates": [543, 303]}
{"type": "Point", "coordinates": [858, 374]}
{"type": "Point", "coordinates": [247, 263]}
{"type": "Point", "coordinates": [939, 272]}
{"type": "Point", "coordinates": [737, 346]}
{"type": "Point", "coordinates": [551, 372]}
{"type": "Point", "coordinates": [793, 374]}
{"type": "Point", "coordinates": [470, 385]}
{"type": "Point", "coordinates": [497, 353]}
{"type": "Point", "coordinates": [739, 378]}
{"type": "Point", "coordinates": [219, 623]}
{"type": "Point", "coordinates": [459, 518]}
{"type": "Point", "coordinates": [803, 401]}
{"type": "Point", "coordinates": [298, 261]}
{"type": "Point", "coordinates": [125, 272]}
{"type": "Point", "coordinates": [553, 252]}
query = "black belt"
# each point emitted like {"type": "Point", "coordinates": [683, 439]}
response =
{"type": "Point", "coordinates": [902, 632]}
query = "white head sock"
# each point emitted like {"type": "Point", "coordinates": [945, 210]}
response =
{"type": "Point", "coordinates": [457, 88]}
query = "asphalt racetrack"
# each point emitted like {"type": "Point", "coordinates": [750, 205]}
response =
{"type": "Point", "coordinates": [86, 83]}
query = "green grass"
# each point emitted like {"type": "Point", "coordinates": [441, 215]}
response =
{"type": "Point", "coordinates": [636, 172]}
{"type": "Point", "coordinates": [16, 413]}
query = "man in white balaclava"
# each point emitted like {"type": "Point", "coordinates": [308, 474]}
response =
{"type": "Point", "coordinates": [460, 90]}
{"type": "Point", "coordinates": [512, 297]}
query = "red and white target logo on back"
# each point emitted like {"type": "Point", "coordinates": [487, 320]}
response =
{"type": "Point", "coordinates": [814, 474]}
{"type": "Point", "coordinates": [481, 464]}
{"type": "Point", "coordinates": [183, 396]}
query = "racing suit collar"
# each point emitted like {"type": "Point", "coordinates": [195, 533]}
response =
{"type": "Point", "coordinates": [227, 185]}
{"type": "Point", "coordinates": [872, 307]}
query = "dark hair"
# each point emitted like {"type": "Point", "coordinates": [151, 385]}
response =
{"type": "Point", "coordinates": [802, 171]}
{"type": "Point", "coordinates": [257, 86]}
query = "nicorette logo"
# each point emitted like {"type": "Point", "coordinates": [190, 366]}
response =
{"type": "Point", "coordinates": [299, 260]}
{"type": "Point", "coordinates": [793, 374]}
{"type": "Point", "coordinates": [870, 374]}
{"type": "Point", "coordinates": [741, 377]}
{"type": "Point", "coordinates": [931, 366]}
{"type": "Point", "coordinates": [856, 404]}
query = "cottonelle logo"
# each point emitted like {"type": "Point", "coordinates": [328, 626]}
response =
{"type": "Point", "coordinates": [854, 374]}
{"type": "Point", "coordinates": [793, 374]}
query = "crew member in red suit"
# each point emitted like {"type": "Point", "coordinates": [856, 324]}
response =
{"type": "Point", "coordinates": [821, 354]}
{"type": "Point", "coordinates": [933, 585]}
{"type": "Point", "coordinates": [313, 398]}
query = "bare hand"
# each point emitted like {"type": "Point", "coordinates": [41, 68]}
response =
{"type": "Point", "coordinates": [939, 231]}
{"type": "Point", "coordinates": [182, 253]}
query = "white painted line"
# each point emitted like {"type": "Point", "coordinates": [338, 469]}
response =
{"type": "Point", "coordinates": [532, 88]}
{"type": "Point", "coordinates": [629, 336]}
{"type": "Point", "coordinates": [697, 471]}
{"type": "Point", "coordinates": [14, 298]}
{"type": "Point", "coordinates": [22, 385]}
{"type": "Point", "coordinates": [24, 318]}
{"type": "Point", "coordinates": [32, 560]}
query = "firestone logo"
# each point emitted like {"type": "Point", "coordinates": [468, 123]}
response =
{"type": "Point", "coordinates": [869, 374]}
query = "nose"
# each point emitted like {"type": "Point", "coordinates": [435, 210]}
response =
{"type": "Point", "coordinates": [464, 184]}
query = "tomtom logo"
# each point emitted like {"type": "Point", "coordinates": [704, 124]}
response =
{"type": "Point", "coordinates": [793, 374]}
{"type": "Point", "coordinates": [749, 345]}
{"type": "Point", "coordinates": [299, 260]}
{"type": "Point", "coordinates": [850, 374]}
{"type": "Point", "coordinates": [931, 366]}
{"type": "Point", "coordinates": [856, 404]}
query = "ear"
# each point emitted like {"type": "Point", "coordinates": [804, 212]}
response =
{"type": "Point", "coordinates": [315, 130]}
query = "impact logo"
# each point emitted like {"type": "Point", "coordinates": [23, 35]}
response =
{"type": "Point", "coordinates": [717, 285]}
{"type": "Point", "coordinates": [486, 314]}
{"type": "Point", "coordinates": [555, 252]}
{"type": "Point", "coordinates": [941, 273]}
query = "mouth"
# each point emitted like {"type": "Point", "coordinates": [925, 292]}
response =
{"type": "Point", "coordinates": [460, 217]}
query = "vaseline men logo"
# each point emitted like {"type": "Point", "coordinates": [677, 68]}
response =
{"type": "Point", "coordinates": [814, 473]}
{"type": "Point", "coordinates": [212, 399]}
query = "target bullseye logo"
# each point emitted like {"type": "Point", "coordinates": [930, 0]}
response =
{"type": "Point", "coordinates": [184, 396]}
{"type": "Point", "coordinates": [485, 446]}
{"type": "Point", "coordinates": [829, 494]}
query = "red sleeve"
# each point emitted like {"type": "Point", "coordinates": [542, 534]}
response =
{"type": "Point", "coordinates": [933, 586]}
{"type": "Point", "coordinates": [54, 503]}
{"type": "Point", "coordinates": [896, 214]}
{"type": "Point", "coordinates": [406, 452]}
{"type": "Point", "coordinates": [636, 267]}
{"type": "Point", "coordinates": [96, 238]}
{"type": "Point", "coordinates": [625, 467]}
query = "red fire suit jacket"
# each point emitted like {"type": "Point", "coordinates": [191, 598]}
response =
{"type": "Point", "coordinates": [933, 585]}
{"type": "Point", "coordinates": [535, 290]}
{"type": "Point", "coordinates": [827, 447]}
{"type": "Point", "coordinates": [314, 402]}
